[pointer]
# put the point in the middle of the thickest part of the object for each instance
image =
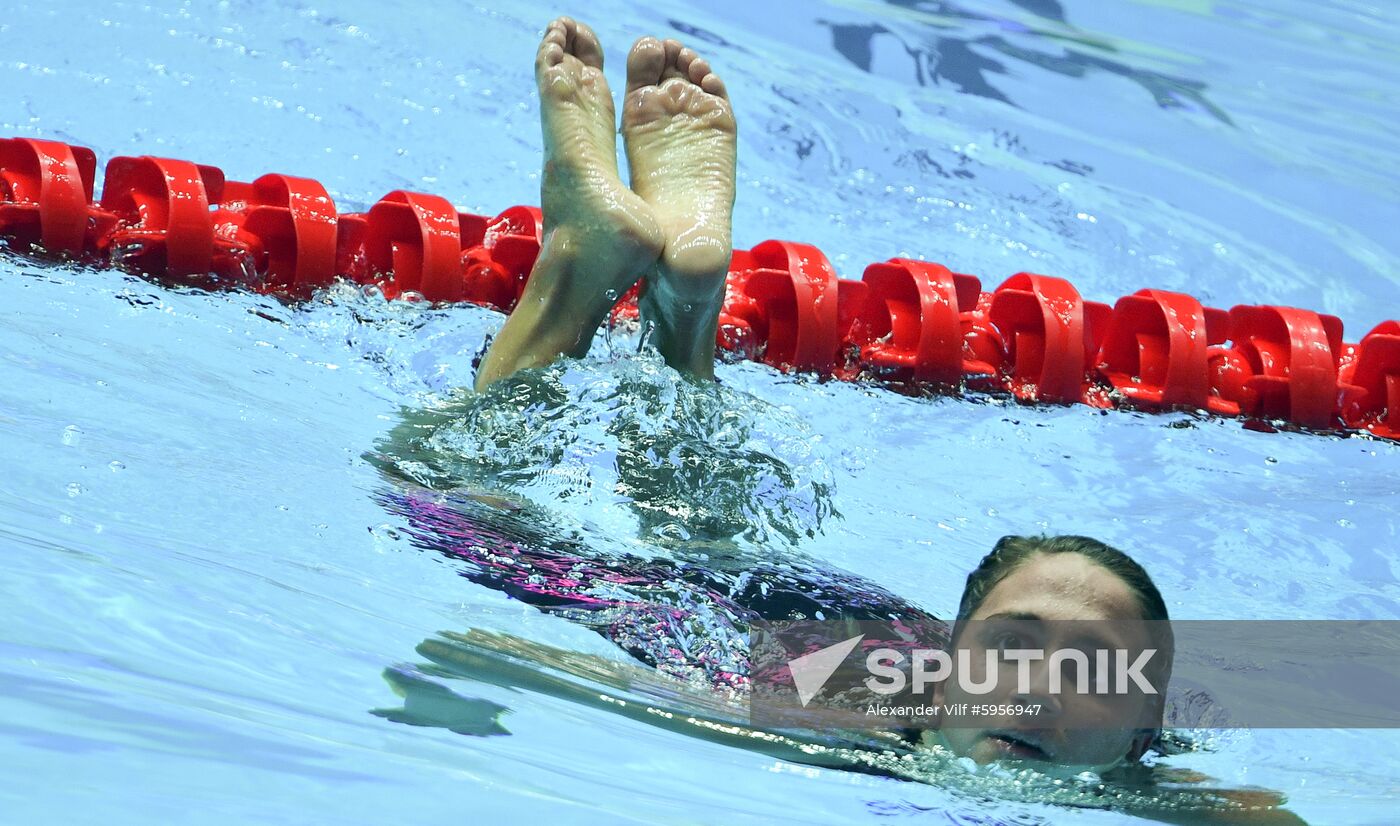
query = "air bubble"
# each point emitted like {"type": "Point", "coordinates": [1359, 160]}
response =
{"type": "Point", "coordinates": [384, 531]}
{"type": "Point", "coordinates": [72, 435]}
{"type": "Point", "coordinates": [671, 530]}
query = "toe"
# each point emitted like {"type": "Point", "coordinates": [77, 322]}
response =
{"type": "Point", "coordinates": [562, 30]}
{"type": "Point", "coordinates": [551, 50]}
{"type": "Point", "coordinates": [686, 57]}
{"type": "Point", "coordinates": [644, 63]}
{"type": "Point", "coordinates": [699, 67]}
{"type": "Point", "coordinates": [587, 48]}
{"type": "Point", "coordinates": [673, 56]}
{"type": "Point", "coordinates": [713, 85]}
{"type": "Point", "coordinates": [549, 55]}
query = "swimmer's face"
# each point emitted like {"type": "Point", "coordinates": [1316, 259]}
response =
{"type": "Point", "coordinates": [1038, 606]}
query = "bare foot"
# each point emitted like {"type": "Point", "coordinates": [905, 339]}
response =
{"type": "Point", "coordinates": [681, 137]}
{"type": "Point", "coordinates": [599, 236]}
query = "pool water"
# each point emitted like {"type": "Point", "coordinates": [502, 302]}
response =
{"type": "Point", "coordinates": [203, 591]}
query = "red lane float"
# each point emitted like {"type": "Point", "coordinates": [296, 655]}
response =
{"type": "Point", "coordinates": [509, 245]}
{"type": "Point", "coordinates": [414, 244]}
{"type": "Point", "coordinates": [45, 194]}
{"type": "Point", "coordinates": [910, 326]}
{"type": "Point", "coordinates": [1051, 337]}
{"type": "Point", "coordinates": [787, 299]}
{"type": "Point", "coordinates": [1156, 352]}
{"type": "Point", "coordinates": [164, 226]}
{"type": "Point", "coordinates": [1374, 370]}
{"type": "Point", "coordinates": [290, 225]}
{"type": "Point", "coordinates": [910, 323]}
{"type": "Point", "coordinates": [1292, 360]}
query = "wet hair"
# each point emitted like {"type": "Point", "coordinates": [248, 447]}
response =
{"type": "Point", "coordinates": [1011, 552]}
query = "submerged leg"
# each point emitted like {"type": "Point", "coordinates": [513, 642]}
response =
{"type": "Point", "coordinates": [599, 236]}
{"type": "Point", "coordinates": [681, 143]}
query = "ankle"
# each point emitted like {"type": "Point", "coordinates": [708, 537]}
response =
{"type": "Point", "coordinates": [684, 333]}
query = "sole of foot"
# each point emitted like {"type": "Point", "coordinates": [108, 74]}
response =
{"type": "Point", "coordinates": [590, 215]}
{"type": "Point", "coordinates": [681, 142]}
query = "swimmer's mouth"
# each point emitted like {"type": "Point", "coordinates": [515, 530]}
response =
{"type": "Point", "coordinates": [1019, 745]}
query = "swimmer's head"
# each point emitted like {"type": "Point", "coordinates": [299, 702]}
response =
{"type": "Point", "coordinates": [1053, 593]}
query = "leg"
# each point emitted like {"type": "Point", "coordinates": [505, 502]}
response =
{"type": "Point", "coordinates": [599, 236]}
{"type": "Point", "coordinates": [681, 143]}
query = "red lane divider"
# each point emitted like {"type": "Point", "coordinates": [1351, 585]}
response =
{"type": "Point", "coordinates": [984, 352]}
{"type": "Point", "coordinates": [45, 192]}
{"type": "Point", "coordinates": [414, 244]}
{"type": "Point", "coordinates": [1156, 352]}
{"type": "Point", "coordinates": [290, 225]}
{"type": "Point", "coordinates": [164, 223]}
{"type": "Point", "coordinates": [1292, 356]}
{"type": "Point", "coordinates": [910, 326]}
{"type": "Point", "coordinates": [511, 243]}
{"type": "Point", "coordinates": [1051, 337]}
{"type": "Point", "coordinates": [1374, 370]}
{"type": "Point", "coordinates": [912, 323]}
{"type": "Point", "coordinates": [788, 297]}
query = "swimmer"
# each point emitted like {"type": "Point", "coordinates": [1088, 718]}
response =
{"type": "Point", "coordinates": [689, 624]}
{"type": "Point", "coordinates": [671, 229]}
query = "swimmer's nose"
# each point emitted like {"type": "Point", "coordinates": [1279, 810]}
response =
{"type": "Point", "coordinates": [1042, 705]}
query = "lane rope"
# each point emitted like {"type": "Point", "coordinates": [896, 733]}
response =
{"type": "Point", "coordinates": [912, 325]}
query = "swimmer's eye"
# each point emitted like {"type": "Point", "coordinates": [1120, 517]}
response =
{"type": "Point", "coordinates": [1009, 641]}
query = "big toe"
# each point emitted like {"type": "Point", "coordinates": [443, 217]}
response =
{"type": "Point", "coordinates": [586, 46]}
{"type": "Point", "coordinates": [645, 63]}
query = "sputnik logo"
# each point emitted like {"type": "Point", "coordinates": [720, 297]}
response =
{"type": "Point", "coordinates": [811, 671]}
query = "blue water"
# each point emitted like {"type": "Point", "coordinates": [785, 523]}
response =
{"type": "Point", "coordinates": [202, 593]}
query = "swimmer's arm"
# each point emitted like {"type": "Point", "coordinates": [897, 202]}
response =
{"type": "Point", "coordinates": [1267, 815]}
{"type": "Point", "coordinates": [621, 688]}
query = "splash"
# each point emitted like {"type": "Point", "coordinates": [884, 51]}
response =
{"type": "Point", "coordinates": [631, 447]}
